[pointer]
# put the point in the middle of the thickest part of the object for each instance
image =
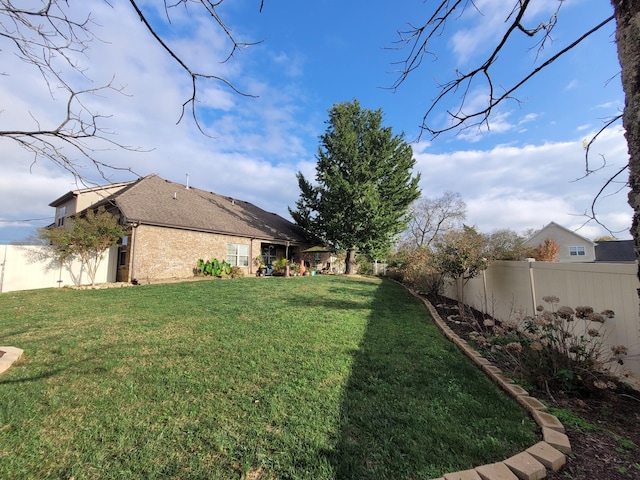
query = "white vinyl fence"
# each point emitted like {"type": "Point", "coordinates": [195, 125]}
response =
{"type": "Point", "coordinates": [26, 267]}
{"type": "Point", "coordinates": [508, 288]}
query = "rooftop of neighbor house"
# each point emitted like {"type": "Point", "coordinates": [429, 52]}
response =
{"type": "Point", "coordinates": [615, 251]}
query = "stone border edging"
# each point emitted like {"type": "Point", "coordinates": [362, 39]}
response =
{"type": "Point", "coordinates": [9, 355]}
{"type": "Point", "coordinates": [531, 464]}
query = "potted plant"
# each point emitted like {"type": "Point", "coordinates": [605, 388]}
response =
{"type": "Point", "coordinates": [279, 266]}
{"type": "Point", "coordinates": [261, 267]}
{"type": "Point", "coordinates": [295, 269]}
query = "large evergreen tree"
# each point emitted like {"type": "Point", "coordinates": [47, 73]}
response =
{"type": "Point", "coordinates": [363, 186]}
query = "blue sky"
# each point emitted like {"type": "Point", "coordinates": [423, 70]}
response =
{"type": "Point", "coordinates": [521, 174]}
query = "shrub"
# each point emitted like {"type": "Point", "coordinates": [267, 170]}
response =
{"type": "Point", "coordinates": [279, 267]}
{"type": "Point", "coordinates": [418, 272]}
{"type": "Point", "coordinates": [559, 348]}
{"type": "Point", "coordinates": [547, 251]}
{"type": "Point", "coordinates": [236, 272]}
{"type": "Point", "coordinates": [294, 268]}
{"type": "Point", "coordinates": [213, 267]}
{"type": "Point", "coordinates": [364, 265]}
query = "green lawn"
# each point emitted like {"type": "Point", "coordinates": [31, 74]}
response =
{"type": "Point", "coordinates": [269, 378]}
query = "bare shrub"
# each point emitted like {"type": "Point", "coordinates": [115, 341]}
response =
{"type": "Point", "coordinates": [559, 348]}
{"type": "Point", "coordinates": [419, 273]}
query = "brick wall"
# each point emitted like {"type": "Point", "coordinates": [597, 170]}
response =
{"type": "Point", "coordinates": [159, 253]}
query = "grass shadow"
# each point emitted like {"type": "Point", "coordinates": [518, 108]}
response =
{"type": "Point", "coordinates": [414, 407]}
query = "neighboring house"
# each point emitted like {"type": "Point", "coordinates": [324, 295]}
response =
{"type": "Point", "coordinates": [573, 247]}
{"type": "Point", "coordinates": [615, 251]}
{"type": "Point", "coordinates": [173, 225]}
{"type": "Point", "coordinates": [321, 259]}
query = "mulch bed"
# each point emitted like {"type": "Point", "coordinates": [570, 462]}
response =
{"type": "Point", "coordinates": [606, 440]}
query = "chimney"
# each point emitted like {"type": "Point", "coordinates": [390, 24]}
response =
{"type": "Point", "coordinates": [187, 184]}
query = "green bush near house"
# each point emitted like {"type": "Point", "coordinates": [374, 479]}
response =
{"type": "Point", "coordinates": [314, 377]}
{"type": "Point", "coordinates": [213, 267]}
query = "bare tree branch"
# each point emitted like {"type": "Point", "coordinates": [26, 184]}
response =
{"type": "Point", "coordinates": [49, 38]}
{"type": "Point", "coordinates": [417, 40]}
{"type": "Point", "coordinates": [79, 131]}
{"type": "Point", "coordinates": [592, 216]}
{"type": "Point", "coordinates": [432, 217]}
{"type": "Point", "coordinates": [587, 147]}
{"type": "Point", "coordinates": [210, 7]}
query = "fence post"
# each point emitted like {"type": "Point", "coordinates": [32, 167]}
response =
{"type": "Point", "coordinates": [532, 283]}
{"type": "Point", "coordinates": [484, 291]}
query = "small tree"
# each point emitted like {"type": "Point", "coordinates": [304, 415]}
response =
{"type": "Point", "coordinates": [547, 251]}
{"type": "Point", "coordinates": [461, 255]}
{"type": "Point", "coordinates": [505, 244]}
{"type": "Point", "coordinates": [433, 217]}
{"type": "Point", "coordinates": [86, 238]}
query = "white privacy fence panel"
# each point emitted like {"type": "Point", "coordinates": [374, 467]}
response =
{"type": "Point", "coordinates": [507, 287]}
{"type": "Point", "coordinates": [26, 267]}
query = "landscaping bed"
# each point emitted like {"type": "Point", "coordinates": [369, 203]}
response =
{"type": "Point", "coordinates": [604, 429]}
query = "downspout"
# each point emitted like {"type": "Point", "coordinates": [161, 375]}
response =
{"type": "Point", "coordinates": [134, 227]}
{"type": "Point", "coordinates": [251, 255]}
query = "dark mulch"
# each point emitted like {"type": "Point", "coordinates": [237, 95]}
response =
{"type": "Point", "coordinates": [604, 431]}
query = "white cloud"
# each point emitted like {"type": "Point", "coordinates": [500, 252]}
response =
{"type": "Point", "coordinates": [262, 142]}
{"type": "Point", "coordinates": [571, 85]}
{"type": "Point", "coordinates": [293, 65]}
{"type": "Point", "coordinates": [530, 186]}
{"type": "Point", "coordinates": [485, 22]}
{"type": "Point", "coordinates": [239, 162]}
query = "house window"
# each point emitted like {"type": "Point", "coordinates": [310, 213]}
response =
{"type": "Point", "coordinates": [61, 212]}
{"type": "Point", "coordinates": [237, 255]}
{"type": "Point", "coordinates": [577, 251]}
{"type": "Point", "coordinates": [269, 254]}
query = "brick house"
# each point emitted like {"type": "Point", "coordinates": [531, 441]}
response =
{"type": "Point", "coordinates": [173, 225]}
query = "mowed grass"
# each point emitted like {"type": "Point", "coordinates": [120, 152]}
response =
{"type": "Point", "coordinates": [270, 378]}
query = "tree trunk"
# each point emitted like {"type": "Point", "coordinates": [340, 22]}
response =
{"type": "Point", "coordinates": [627, 13]}
{"type": "Point", "coordinates": [351, 261]}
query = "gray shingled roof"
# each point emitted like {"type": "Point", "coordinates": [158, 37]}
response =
{"type": "Point", "coordinates": [155, 201]}
{"type": "Point", "coordinates": [615, 251]}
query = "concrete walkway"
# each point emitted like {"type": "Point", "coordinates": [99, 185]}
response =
{"type": "Point", "coordinates": [8, 355]}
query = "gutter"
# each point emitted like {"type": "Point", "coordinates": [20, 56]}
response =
{"type": "Point", "coordinates": [220, 232]}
